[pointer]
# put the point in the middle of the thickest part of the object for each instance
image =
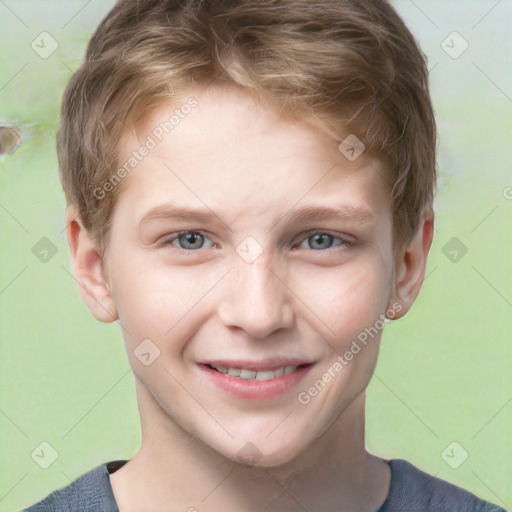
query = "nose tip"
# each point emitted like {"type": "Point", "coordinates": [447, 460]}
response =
{"type": "Point", "coordinates": [256, 300]}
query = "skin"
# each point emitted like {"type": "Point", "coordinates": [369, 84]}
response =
{"type": "Point", "coordinates": [250, 167]}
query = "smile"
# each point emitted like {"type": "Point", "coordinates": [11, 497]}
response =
{"type": "Point", "coordinates": [255, 380]}
{"type": "Point", "coordinates": [261, 375]}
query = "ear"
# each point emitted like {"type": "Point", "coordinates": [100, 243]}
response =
{"type": "Point", "coordinates": [88, 269]}
{"type": "Point", "coordinates": [410, 266]}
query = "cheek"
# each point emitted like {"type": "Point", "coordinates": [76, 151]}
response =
{"type": "Point", "coordinates": [150, 299]}
{"type": "Point", "coordinates": [347, 299]}
{"type": "Point", "coordinates": [158, 301]}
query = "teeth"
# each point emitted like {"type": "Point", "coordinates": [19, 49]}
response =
{"type": "Point", "coordinates": [247, 374]}
{"type": "Point", "coordinates": [252, 375]}
{"type": "Point", "coordinates": [265, 375]}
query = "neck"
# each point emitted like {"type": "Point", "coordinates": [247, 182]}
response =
{"type": "Point", "coordinates": [174, 467]}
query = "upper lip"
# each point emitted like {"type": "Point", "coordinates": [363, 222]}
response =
{"type": "Point", "coordinates": [263, 365]}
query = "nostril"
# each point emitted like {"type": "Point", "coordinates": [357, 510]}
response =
{"type": "Point", "coordinates": [10, 140]}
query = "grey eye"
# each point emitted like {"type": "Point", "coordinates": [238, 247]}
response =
{"type": "Point", "coordinates": [191, 240]}
{"type": "Point", "coordinates": [320, 241]}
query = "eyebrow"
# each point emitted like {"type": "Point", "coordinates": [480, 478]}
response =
{"type": "Point", "coordinates": [172, 211]}
{"type": "Point", "coordinates": [346, 212]}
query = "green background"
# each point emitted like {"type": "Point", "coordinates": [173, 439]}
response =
{"type": "Point", "coordinates": [444, 373]}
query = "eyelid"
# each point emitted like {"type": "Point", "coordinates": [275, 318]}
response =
{"type": "Point", "coordinates": [346, 240]}
{"type": "Point", "coordinates": [171, 237]}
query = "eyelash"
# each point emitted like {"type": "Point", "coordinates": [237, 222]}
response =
{"type": "Point", "coordinates": [344, 243]}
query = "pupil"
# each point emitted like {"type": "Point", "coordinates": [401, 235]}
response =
{"type": "Point", "coordinates": [317, 240]}
{"type": "Point", "coordinates": [193, 239]}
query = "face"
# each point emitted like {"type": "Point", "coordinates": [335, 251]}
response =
{"type": "Point", "coordinates": [248, 258]}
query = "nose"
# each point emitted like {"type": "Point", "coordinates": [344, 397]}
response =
{"type": "Point", "coordinates": [256, 299]}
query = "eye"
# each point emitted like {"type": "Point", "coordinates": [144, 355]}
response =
{"type": "Point", "coordinates": [320, 241]}
{"type": "Point", "coordinates": [187, 240]}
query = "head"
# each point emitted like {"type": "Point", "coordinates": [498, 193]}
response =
{"type": "Point", "coordinates": [259, 116]}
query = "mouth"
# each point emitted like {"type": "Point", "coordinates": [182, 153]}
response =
{"type": "Point", "coordinates": [261, 374]}
{"type": "Point", "coordinates": [262, 380]}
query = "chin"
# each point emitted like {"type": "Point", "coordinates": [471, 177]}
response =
{"type": "Point", "coordinates": [262, 454]}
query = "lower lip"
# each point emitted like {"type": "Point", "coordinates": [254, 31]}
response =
{"type": "Point", "coordinates": [255, 389]}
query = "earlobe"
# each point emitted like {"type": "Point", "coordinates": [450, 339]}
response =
{"type": "Point", "coordinates": [88, 269]}
{"type": "Point", "coordinates": [410, 266]}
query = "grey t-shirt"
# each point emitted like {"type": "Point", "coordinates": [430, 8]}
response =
{"type": "Point", "coordinates": [411, 490]}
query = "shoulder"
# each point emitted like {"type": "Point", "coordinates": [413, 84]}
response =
{"type": "Point", "coordinates": [90, 492]}
{"type": "Point", "coordinates": [414, 490]}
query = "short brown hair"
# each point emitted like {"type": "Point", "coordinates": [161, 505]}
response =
{"type": "Point", "coordinates": [349, 61]}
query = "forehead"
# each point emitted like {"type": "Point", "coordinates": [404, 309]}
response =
{"type": "Point", "coordinates": [225, 145]}
{"type": "Point", "coordinates": [215, 119]}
